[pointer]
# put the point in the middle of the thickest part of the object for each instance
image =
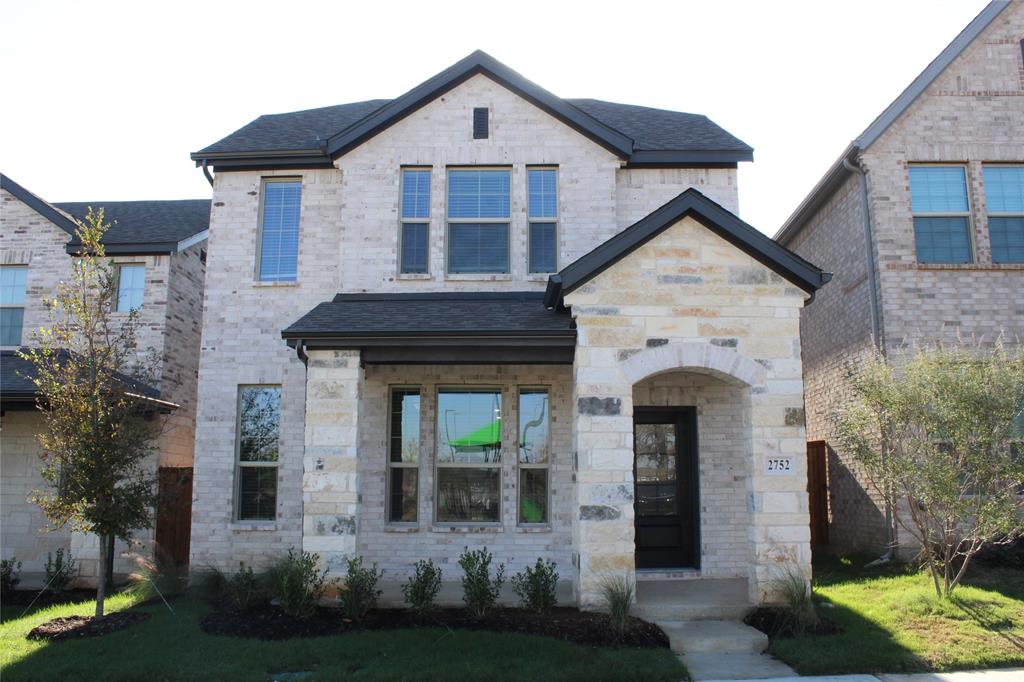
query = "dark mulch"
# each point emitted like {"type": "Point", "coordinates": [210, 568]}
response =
{"type": "Point", "coordinates": [78, 627]}
{"type": "Point", "coordinates": [568, 624]}
{"type": "Point", "coordinates": [773, 622]}
{"type": "Point", "coordinates": [25, 597]}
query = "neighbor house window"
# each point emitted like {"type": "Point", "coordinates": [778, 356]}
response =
{"type": "Point", "coordinates": [534, 445]}
{"type": "Point", "coordinates": [479, 210]}
{"type": "Point", "coordinates": [259, 429]}
{"type": "Point", "coordinates": [279, 230]}
{"type": "Point", "coordinates": [131, 286]}
{"type": "Point", "coordinates": [938, 199]}
{"type": "Point", "coordinates": [469, 455]}
{"type": "Point", "coordinates": [12, 303]}
{"type": "Point", "coordinates": [415, 229]}
{"type": "Point", "coordinates": [1004, 194]}
{"type": "Point", "coordinates": [542, 192]}
{"type": "Point", "coordinates": [404, 454]}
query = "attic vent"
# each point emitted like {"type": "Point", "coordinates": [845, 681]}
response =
{"type": "Point", "coordinates": [480, 123]}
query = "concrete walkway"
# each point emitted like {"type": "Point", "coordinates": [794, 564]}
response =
{"type": "Point", "coordinates": [1003, 675]}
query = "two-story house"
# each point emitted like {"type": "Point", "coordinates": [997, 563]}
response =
{"type": "Point", "coordinates": [158, 250]}
{"type": "Point", "coordinates": [922, 221]}
{"type": "Point", "coordinates": [482, 315]}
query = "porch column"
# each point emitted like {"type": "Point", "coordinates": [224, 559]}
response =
{"type": "Point", "coordinates": [330, 484]}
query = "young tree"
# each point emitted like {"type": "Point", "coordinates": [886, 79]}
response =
{"type": "Point", "coordinates": [937, 433]}
{"type": "Point", "coordinates": [99, 428]}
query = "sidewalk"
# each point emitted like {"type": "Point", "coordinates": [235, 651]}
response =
{"type": "Point", "coordinates": [1001, 675]}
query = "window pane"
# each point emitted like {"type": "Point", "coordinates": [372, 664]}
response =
{"type": "Point", "coordinates": [542, 247]}
{"type": "Point", "coordinates": [533, 496]}
{"type": "Point", "coordinates": [656, 487]}
{"type": "Point", "coordinates": [279, 248]}
{"type": "Point", "coordinates": [469, 426]}
{"type": "Point", "coordinates": [1007, 236]}
{"type": "Point", "coordinates": [938, 189]}
{"type": "Point", "coordinates": [543, 193]}
{"type": "Point", "coordinates": [259, 424]}
{"type": "Point", "coordinates": [478, 247]}
{"type": "Point", "coordinates": [468, 494]}
{"type": "Point", "coordinates": [479, 193]}
{"type": "Point", "coordinates": [12, 284]}
{"type": "Point", "coordinates": [414, 247]}
{"type": "Point", "coordinates": [11, 320]}
{"type": "Point", "coordinates": [402, 506]}
{"type": "Point", "coordinates": [1004, 188]}
{"type": "Point", "coordinates": [534, 415]}
{"type": "Point", "coordinates": [405, 426]}
{"type": "Point", "coordinates": [416, 194]}
{"type": "Point", "coordinates": [257, 493]}
{"type": "Point", "coordinates": [131, 287]}
{"type": "Point", "coordinates": [942, 240]}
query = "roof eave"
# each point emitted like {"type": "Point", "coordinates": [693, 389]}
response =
{"type": "Point", "coordinates": [690, 158]}
{"type": "Point", "coordinates": [133, 249]}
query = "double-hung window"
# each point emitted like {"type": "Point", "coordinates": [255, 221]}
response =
{"type": "Point", "coordinates": [1004, 194]}
{"type": "Point", "coordinates": [131, 287]}
{"type": "Point", "coordinates": [479, 211]}
{"type": "Point", "coordinates": [259, 428]}
{"type": "Point", "coordinates": [12, 303]}
{"type": "Point", "coordinates": [542, 193]}
{"type": "Point", "coordinates": [534, 445]}
{"type": "Point", "coordinates": [279, 230]}
{"type": "Point", "coordinates": [938, 199]}
{"type": "Point", "coordinates": [468, 475]}
{"type": "Point", "coordinates": [414, 237]}
{"type": "Point", "coordinates": [404, 455]}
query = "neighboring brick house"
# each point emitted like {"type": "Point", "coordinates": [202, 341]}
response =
{"type": "Point", "coordinates": [488, 296]}
{"type": "Point", "coordinates": [922, 221]}
{"type": "Point", "coordinates": [158, 248]}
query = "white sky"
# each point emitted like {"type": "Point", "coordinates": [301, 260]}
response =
{"type": "Point", "coordinates": [105, 100]}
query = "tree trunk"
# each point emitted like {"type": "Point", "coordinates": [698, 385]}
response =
{"type": "Point", "coordinates": [109, 577]}
{"type": "Point", "coordinates": [101, 574]}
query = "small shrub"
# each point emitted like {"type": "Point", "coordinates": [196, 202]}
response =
{"type": "Point", "coordinates": [208, 582]}
{"type": "Point", "coordinates": [61, 569]}
{"type": "Point", "coordinates": [798, 614]}
{"type": "Point", "coordinates": [479, 590]}
{"type": "Point", "coordinates": [535, 586]}
{"type": "Point", "coordinates": [617, 597]}
{"type": "Point", "coordinates": [244, 589]}
{"type": "Point", "coordinates": [360, 592]}
{"type": "Point", "coordinates": [10, 570]}
{"type": "Point", "coordinates": [299, 584]}
{"type": "Point", "coordinates": [158, 576]}
{"type": "Point", "coordinates": [423, 586]}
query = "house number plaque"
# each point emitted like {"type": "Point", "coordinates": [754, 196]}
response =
{"type": "Point", "coordinates": [778, 466]}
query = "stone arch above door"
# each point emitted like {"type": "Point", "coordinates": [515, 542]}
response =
{"type": "Point", "coordinates": [687, 355]}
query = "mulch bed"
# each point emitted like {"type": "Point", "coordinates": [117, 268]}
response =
{"type": "Point", "coordinates": [773, 622]}
{"type": "Point", "coordinates": [568, 624]}
{"type": "Point", "coordinates": [79, 627]}
{"type": "Point", "coordinates": [25, 597]}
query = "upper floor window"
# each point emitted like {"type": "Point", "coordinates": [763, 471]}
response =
{"type": "Point", "coordinates": [279, 229]}
{"type": "Point", "coordinates": [479, 211]}
{"type": "Point", "coordinates": [12, 303]}
{"type": "Point", "coordinates": [131, 287]}
{"type": "Point", "coordinates": [259, 428]}
{"type": "Point", "coordinates": [415, 229]}
{"type": "Point", "coordinates": [1004, 194]}
{"type": "Point", "coordinates": [542, 193]}
{"type": "Point", "coordinates": [938, 200]}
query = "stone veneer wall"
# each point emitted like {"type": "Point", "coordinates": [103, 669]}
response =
{"type": "Point", "coordinates": [687, 299]}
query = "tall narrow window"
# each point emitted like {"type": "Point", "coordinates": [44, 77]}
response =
{"type": "Point", "coordinates": [131, 287]}
{"type": "Point", "coordinates": [543, 211]}
{"type": "Point", "coordinates": [479, 210]}
{"type": "Point", "coordinates": [12, 303]}
{"type": "Point", "coordinates": [1004, 194]}
{"type": "Point", "coordinates": [404, 455]}
{"type": "Point", "coordinates": [279, 230]}
{"type": "Point", "coordinates": [259, 427]}
{"type": "Point", "coordinates": [415, 229]}
{"type": "Point", "coordinates": [534, 444]}
{"type": "Point", "coordinates": [469, 455]}
{"type": "Point", "coordinates": [938, 199]}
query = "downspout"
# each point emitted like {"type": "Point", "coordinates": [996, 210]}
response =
{"type": "Point", "coordinates": [877, 334]}
{"type": "Point", "coordinates": [206, 172]}
{"type": "Point", "coordinates": [300, 351]}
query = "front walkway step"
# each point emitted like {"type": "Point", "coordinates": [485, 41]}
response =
{"type": "Point", "coordinates": [707, 636]}
{"type": "Point", "coordinates": [706, 599]}
{"type": "Point", "coordinates": [734, 666]}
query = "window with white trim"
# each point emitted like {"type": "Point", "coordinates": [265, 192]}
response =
{"type": "Point", "coordinates": [259, 429]}
{"type": "Point", "coordinates": [542, 196]}
{"type": "Point", "coordinates": [942, 224]}
{"type": "Point", "coordinates": [280, 208]}
{"type": "Point", "coordinates": [131, 287]}
{"type": "Point", "coordinates": [414, 236]}
{"type": "Point", "coordinates": [534, 445]}
{"type": "Point", "coordinates": [468, 466]}
{"type": "Point", "coordinates": [404, 455]}
{"type": "Point", "coordinates": [479, 213]}
{"type": "Point", "coordinates": [1004, 196]}
{"type": "Point", "coordinates": [12, 303]}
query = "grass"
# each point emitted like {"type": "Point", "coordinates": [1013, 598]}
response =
{"type": "Point", "coordinates": [893, 622]}
{"type": "Point", "coordinates": [172, 647]}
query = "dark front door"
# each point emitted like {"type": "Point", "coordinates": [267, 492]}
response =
{"type": "Point", "coordinates": [174, 514]}
{"type": "Point", "coordinates": [665, 471]}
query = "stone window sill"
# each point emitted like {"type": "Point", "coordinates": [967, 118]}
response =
{"type": "Point", "coordinates": [992, 267]}
{"type": "Point", "coordinates": [451, 277]}
{"type": "Point", "coordinates": [538, 277]}
{"type": "Point", "coordinates": [414, 277]}
{"type": "Point", "coordinates": [275, 284]}
{"type": "Point", "coordinates": [539, 528]}
{"type": "Point", "coordinates": [401, 528]}
{"type": "Point", "coordinates": [253, 526]}
{"type": "Point", "coordinates": [475, 528]}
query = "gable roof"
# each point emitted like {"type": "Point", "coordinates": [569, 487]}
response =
{"type": "Point", "coordinates": [314, 137]}
{"type": "Point", "coordinates": [144, 226]}
{"type": "Point", "coordinates": [716, 218]}
{"type": "Point", "coordinates": [839, 170]}
{"type": "Point", "coordinates": [39, 205]}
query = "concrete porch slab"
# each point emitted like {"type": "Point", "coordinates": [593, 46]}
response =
{"type": "Point", "coordinates": [687, 600]}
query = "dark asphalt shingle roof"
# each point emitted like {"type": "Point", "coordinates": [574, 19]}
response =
{"type": "Point", "coordinates": [438, 314]}
{"type": "Point", "coordinates": [17, 375]}
{"type": "Point", "coordinates": [146, 222]}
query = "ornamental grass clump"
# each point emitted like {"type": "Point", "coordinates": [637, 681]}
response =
{"type": "Point", "coordinates": [299, 584]}
{"type": "Point", "coordinates": [423, 586]}
{"type": "Point", "coordinates": [480, 591]}
{"type": "Point", "coordinates": [535, 586]}
{"type": "Point", "coordinates": [617, 597]}
{"type": "Point", "coordinates": [797, 612]}
{"type": "Point", "coordinates": [360, 592]}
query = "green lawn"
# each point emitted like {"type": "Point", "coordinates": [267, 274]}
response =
{"type": "Point", "coordinates": [893, 622]}
{"type": "Point", "coordinates": [172, 647]}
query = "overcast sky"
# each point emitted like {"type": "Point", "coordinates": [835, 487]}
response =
{"type": "Point", "coordinates": [104, 101]}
